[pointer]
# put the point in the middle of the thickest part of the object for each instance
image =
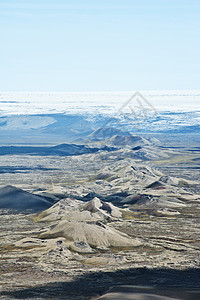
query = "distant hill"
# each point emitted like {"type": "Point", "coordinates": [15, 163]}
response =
{"type": "Point", "coordinates": [106, 133]}
{"type": "Point", "coordinates": [59, 150]}
{"type": "Point", "coordinates": [130, 140]}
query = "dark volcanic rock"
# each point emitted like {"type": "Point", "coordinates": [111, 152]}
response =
{"type": "Point", "coordinates": [15, 198]}
{"type": "Point", "coordinates": [156, 185]}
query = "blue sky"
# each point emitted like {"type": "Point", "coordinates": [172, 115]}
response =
{"type": "Point", "coordinates": [99, 45]}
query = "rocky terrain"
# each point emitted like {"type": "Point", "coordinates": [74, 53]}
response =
{"type": "Point", "coordinates": [73, 226]}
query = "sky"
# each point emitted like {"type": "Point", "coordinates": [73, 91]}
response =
{"type": "Point", "coordinates": [99, 45]}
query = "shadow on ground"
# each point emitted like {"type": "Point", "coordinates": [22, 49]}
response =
{"type": "Point", "coordinates": [181, 284]}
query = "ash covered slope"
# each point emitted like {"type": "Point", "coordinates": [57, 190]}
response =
{"type": "Point", "coordinates": [76, 210]}
{"type": "Point", "coordinates": [15, 198]}
{"type": "Point", "coordinates": [85, 226]}
{"type": "Point", "coordinates": [97, 236]}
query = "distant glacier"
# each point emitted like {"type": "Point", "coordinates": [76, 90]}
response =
{"type": "Point", "coordinates": [56, 117]}
{"type": "Point", "coordinates": [93, 102]}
